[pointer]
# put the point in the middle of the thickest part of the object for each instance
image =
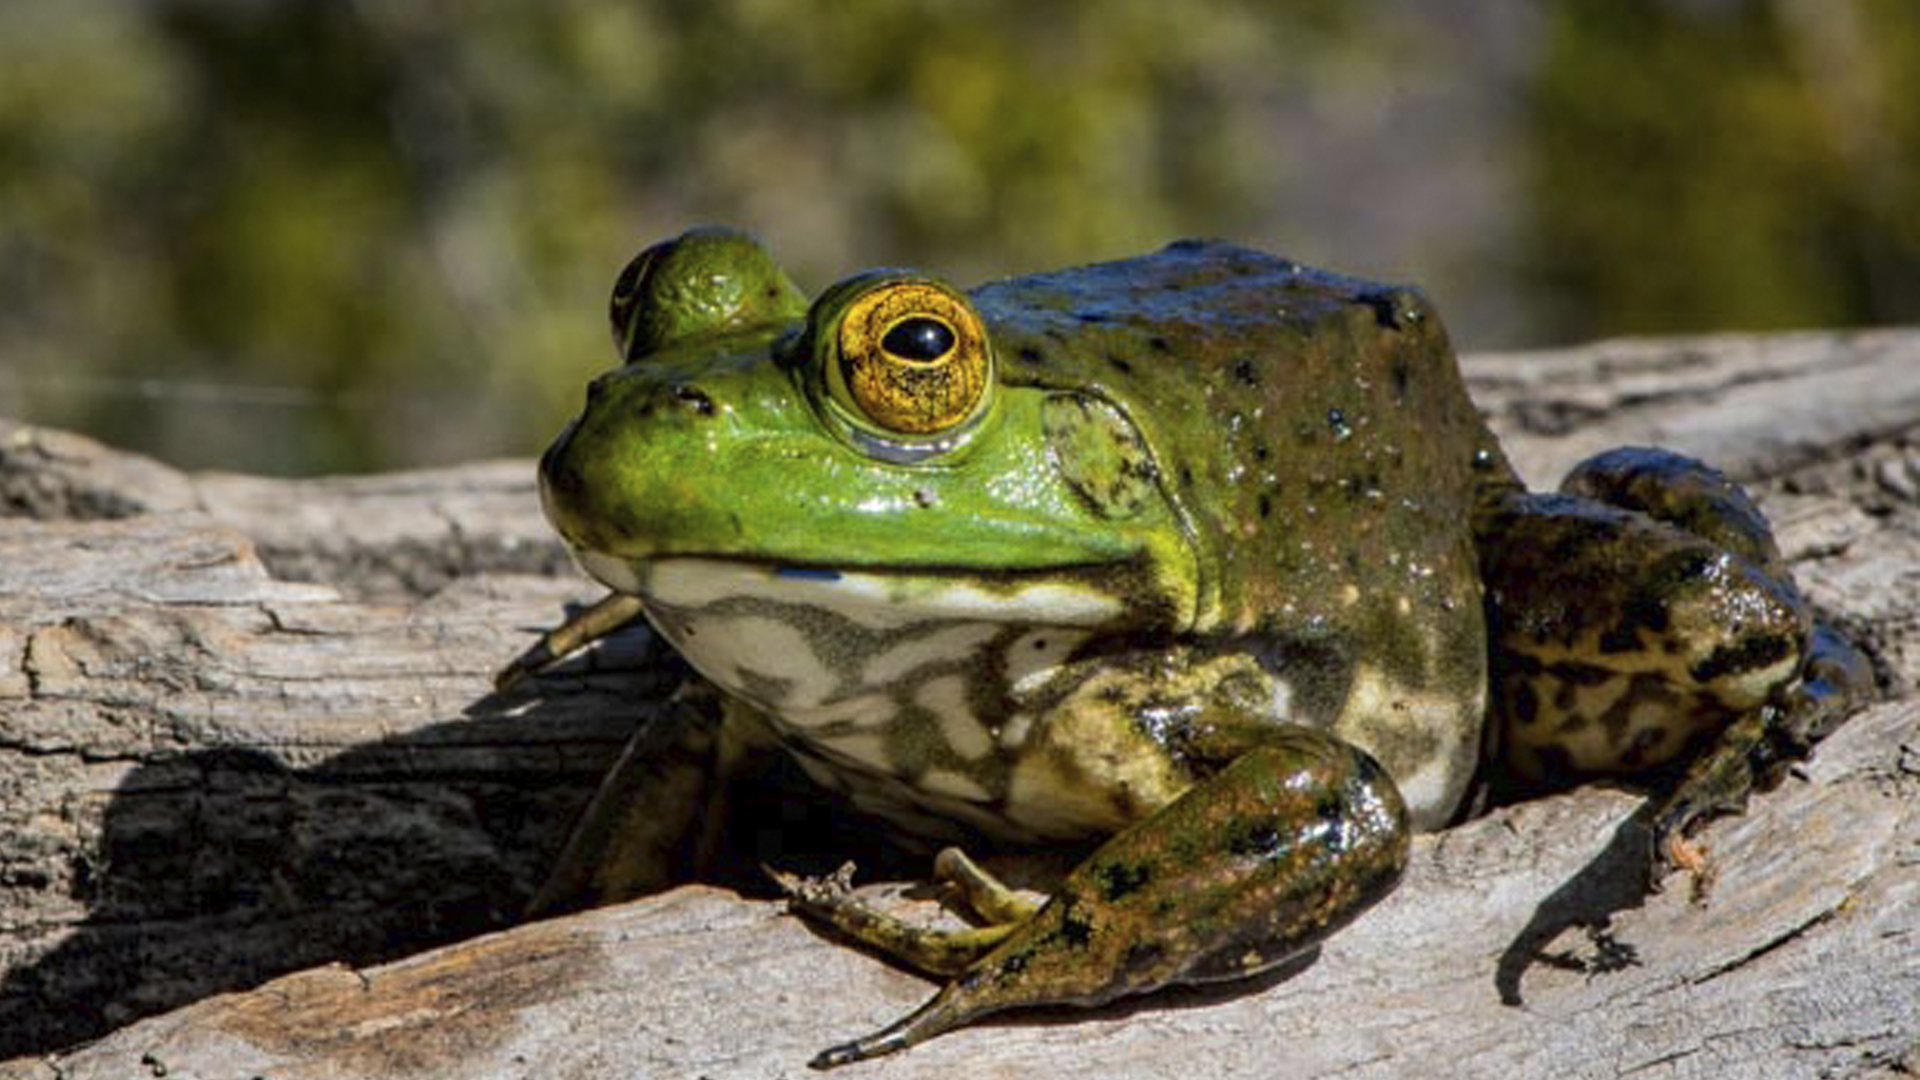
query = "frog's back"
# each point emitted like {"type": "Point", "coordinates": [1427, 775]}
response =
{"type": "Point", "coordinates": [1315, 436]}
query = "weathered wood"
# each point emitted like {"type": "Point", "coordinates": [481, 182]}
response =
{"type": "Point", "coordinates": [209, 775]}
{"type": "Point", "coordinates": [1756, 406]}
{"type": "Point", "coordinates": [245, 729]}
{"type": "Point", "coordinates": [1806, 962]}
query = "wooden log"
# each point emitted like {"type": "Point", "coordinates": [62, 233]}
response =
{"type": "Point", "coordinates": [261, 814]}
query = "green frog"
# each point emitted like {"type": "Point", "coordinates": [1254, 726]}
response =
{"type": "Point", "coordinates": [1200, 563]}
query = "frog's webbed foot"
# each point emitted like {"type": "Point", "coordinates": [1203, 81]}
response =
{"type": "Point", "coordinates": [1245, 871]}
{"type": "Point", "coordinates": [1754, 753]}
{"type": "Point", "coordinates": [831, 899]}
{"type": "Point", "coordinates": [582, 628]}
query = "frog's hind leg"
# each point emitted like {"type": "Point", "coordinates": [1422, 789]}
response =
{"type": "Point", "coordinates": [1644, 615]}
{"type": "Point", "coordinates": [1835, 677]}
{"type": "Point", "coordinates": [1247, 870]}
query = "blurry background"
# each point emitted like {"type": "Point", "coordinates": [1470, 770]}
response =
{"type": "Point", "coordinates": [317, 235]}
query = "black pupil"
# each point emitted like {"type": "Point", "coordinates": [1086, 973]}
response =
{"type": "Point", "coordinates": [918, 339]}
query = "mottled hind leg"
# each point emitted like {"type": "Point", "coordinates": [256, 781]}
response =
{"type": "Point", "coordinates": [1835, 677]}
{"type": "Point", "coordinates": [1644, 617]}
{"type": "Point", "coordinates": [1698, 498]}
{"type": "Point", "coordinates": [1683, 492]}
{"type": "Point", "coordinates": [1248, 869]}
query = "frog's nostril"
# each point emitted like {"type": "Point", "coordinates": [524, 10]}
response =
{"type": "Point", "coordinates": [695, 399]}
{"type": "Point", "coordinates": [596, 388]}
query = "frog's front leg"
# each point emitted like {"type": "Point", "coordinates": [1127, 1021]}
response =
{"type": "Point", "coordinates": [582, 628]}
{"type": "Point", "coordinates": [660, 815]}
{"type": "Point", "coordinates": [1250, 867]}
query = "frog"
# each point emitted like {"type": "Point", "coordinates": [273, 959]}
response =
{"type": "Point", "coordinates": [1201, 566]}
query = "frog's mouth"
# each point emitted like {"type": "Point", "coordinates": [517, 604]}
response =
{"type": "Point", "coordinates": [873, 597]}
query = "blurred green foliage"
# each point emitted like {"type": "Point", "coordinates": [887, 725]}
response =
{"type": "Point", "coordinates": [318, 235]}
{"type": "Point", "coordinates": [1706, 166]}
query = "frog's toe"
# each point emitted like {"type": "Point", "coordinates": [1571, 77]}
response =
{"type": "Point", "coordinates": [582, 628]}
{"type": "Point", "coordinates": [957, 1005]}
{"type": "Point", "coordinates": [814, 893]}
{"type": "Point", "coordinates": [1836, 680]}
{"type": "Point", "coordinates": [895, 1037]}
{"type": "Point", "coordinates": [1677, 852]}
{"type": "Point", "coordinates": [985, 895]}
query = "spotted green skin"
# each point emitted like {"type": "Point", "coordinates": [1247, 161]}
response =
{"type": "Point", "coordinates": [1223, 570]}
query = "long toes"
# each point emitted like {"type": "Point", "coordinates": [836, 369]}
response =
{"type": "Point", "coordinates": [827, 891]}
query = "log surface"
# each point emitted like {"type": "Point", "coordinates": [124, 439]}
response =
{"type": "Point", "coordinates": [261, 814]}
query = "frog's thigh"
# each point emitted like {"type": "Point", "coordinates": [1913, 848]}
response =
{"type": "Point", "coordinates": [1247, 869]}
{"type": "Point", "coordinates": [1619, 640]}
{"type": "Point", "coordinates": [1683, 492]}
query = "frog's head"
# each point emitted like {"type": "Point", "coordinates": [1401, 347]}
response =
{"type": "Point", "coordinates": [864, 453]}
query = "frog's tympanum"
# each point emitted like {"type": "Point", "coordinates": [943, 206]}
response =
{"type": "Point", "coordinates": [1201, 560]}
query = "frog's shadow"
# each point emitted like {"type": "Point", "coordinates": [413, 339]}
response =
{"type": "Point", "coordinates": [218, 869]}
{"type": "Point", "coordinates": [1615, 880]}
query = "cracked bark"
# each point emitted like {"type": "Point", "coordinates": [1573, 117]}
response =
{"type": "Point", "coordinates": [246, 736]}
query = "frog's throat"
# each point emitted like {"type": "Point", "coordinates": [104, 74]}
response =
{"type": "Point", "coordinates": [908, 691]}
{"type": "Point", "coordinates": [876, 598]}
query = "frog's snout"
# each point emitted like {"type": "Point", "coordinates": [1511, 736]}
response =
{"type": "Point", "coordinates": [562, 487]}
{"type": "Point", "coordinates": [589, 489]}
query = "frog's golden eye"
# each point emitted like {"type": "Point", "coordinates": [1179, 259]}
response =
{"type": "Point", "coordinates": [911, 358]}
